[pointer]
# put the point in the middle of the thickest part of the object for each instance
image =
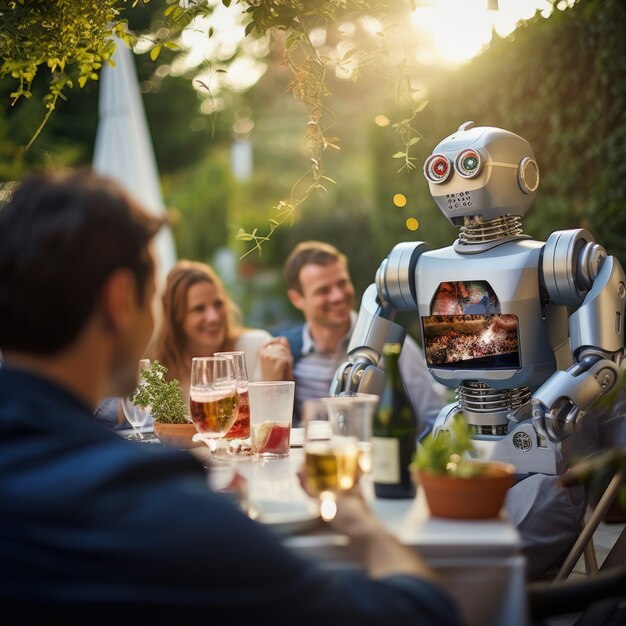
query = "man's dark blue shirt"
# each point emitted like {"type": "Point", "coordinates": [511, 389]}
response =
{"type": "Point", "coordinates": [89, 517]}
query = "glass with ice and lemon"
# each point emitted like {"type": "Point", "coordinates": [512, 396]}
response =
{"type": "Point", "coordinates": [271, 410]}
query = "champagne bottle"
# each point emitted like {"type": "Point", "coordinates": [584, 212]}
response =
{"type": "Point", "coordinates": [394, 434]}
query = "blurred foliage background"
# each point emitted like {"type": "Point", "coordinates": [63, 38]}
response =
{"type": "Point", "coordinates": [559, 82]}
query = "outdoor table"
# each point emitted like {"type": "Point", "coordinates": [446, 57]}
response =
{"type": "Point", "coordinates": [479, 562]}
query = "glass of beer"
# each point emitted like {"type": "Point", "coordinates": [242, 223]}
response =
{"type": "Point", "coordinates": [213, 399]}
{"type": "Point", "coordinates": [331, 458]}
{"type": "Point", "coordinates": [352, 414]}
{"type": "Point", "coordinates": [241, 427]}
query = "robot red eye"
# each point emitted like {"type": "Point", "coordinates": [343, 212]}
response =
{"type": "Point", "coordinates": [468, 164]}
{"type": "Point", "coordinates": [437, 168]}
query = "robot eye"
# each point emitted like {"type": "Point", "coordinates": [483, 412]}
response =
{"type": "Point", "coordinates": [468, 164]}
{"type": "Point", "coordinates": [437, 168]}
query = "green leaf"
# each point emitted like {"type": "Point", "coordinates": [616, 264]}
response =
{"type": "Point", "coordinates": [162, 396]}
{"type": "Point", "coordinates": [154, 53]}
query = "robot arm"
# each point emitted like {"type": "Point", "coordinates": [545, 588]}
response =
{"type": "Point", "coordinates": [393, 290]}
{"type": "Point", "coordinates": [578, 274]}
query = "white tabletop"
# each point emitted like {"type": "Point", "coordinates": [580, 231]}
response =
{"type": "Point", "coordinates": [480, 562]}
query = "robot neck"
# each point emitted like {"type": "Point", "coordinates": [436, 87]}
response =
{"type": "Point", "coordinates": [476, 230]}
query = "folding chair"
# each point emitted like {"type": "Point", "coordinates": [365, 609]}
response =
{"type": "Point", "coordinates": [599, 599]}
{"type": "Point", "coordinates": [584, 543]}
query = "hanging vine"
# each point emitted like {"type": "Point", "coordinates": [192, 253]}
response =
{"type": "Point", "coordinates": [73, 40]}
{"type": "Point", "coordinates": [309, 70]}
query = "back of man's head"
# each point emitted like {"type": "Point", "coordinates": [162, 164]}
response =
{"type": "Point", "coordinates": [61, 235]}
{"type": "Point", "coordinates": [307, 253]}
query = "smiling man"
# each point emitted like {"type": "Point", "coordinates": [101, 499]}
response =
{"type": "Point", "coordinates": [319, 285]}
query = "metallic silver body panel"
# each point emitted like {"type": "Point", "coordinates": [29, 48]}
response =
{"type": "Point", "coordinates": [568, 297]}
{"type": "Point", "coordinates": [516, 283]}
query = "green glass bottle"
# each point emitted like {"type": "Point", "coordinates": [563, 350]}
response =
{"type": "Point", "coordinates": [394, 433]}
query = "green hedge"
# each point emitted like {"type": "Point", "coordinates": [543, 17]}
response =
{"type": "Point", "coordinates": [561, 84]}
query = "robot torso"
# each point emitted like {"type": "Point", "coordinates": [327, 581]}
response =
{"type": "Point", "coordinates": [486, 317]}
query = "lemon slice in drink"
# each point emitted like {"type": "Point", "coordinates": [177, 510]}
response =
{"type": "Point", "coordinates": [262, 433]}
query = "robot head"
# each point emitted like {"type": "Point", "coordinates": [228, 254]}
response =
{"type": "Point", "coordinates": [482, 171]}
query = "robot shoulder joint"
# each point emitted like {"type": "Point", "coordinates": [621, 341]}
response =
{"type": "Point", "coordinates": [395, 278]}
{"type": "Point", "coordinates": [571, 262]}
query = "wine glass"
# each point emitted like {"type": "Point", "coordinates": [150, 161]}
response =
{"type": "Point", "coordinates": [331, 458]}
{"type": "Point", "coordinates": [213, 399]}
{"type": "Point", "coordinates": [137, 416]}
{"type": "Point", "coordinates": [241, 427]}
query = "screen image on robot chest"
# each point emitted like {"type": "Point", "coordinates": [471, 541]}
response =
{"type": "Point", "coordinates": [466, 328]}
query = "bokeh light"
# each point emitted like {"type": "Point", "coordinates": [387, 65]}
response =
{"type": "Point", "coordinates": [399, 200]}
{"type": "Point", "coordinates": [382, 121]}
{"type": "Point", "coordinates": [412, 224]}
{"type": "Point", "coordinates": [328, 510]}
{"type": "Point", "coordinates": [457, 30]}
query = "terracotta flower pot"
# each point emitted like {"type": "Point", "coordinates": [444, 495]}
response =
{"type": "Point", "coordinates": [176, 435]}
{"type": "Point", "coordinates": [478, 497]}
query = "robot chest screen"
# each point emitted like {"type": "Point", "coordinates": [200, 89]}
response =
{"type": "Point", "coordinates": [467, 330]}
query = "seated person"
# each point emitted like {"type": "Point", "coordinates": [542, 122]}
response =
{"type": "Point", "coordinates": [97, 523]}
{"type": "Point", "coordinates": [199, 319]}
{"type": "Point", "coordinates": [547, 515]}
{"type": "Point", "coordinates": [319, 285]}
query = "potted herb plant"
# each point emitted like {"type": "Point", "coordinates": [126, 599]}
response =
{"type": "Point", "coordinates": [171, 421]}
{"type": "Point", "coordinates": [456, 485]}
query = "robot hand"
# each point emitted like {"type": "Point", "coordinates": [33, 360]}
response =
{"type": "Point", "coordinates": [567, 395]}
{"type": "Point", "coordinates": [358, 375]}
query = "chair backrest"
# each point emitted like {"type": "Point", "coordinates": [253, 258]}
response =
{"type": "Point", "coordinates": [585, 538]}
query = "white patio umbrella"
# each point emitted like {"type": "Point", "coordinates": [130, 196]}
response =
{"type": "Point", "coordinates": [124, 148]}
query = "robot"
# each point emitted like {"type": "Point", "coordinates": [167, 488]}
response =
{"type": "Point", "coordinates": [529, 333]}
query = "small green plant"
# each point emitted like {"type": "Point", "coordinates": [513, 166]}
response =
{"type": "Point", "coordinates": [446, 452]}
{"type": "Point", "coordinates": [164, 397]}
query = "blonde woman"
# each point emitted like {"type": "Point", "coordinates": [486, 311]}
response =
{"type": "Point", "coordinates": [199, 319]}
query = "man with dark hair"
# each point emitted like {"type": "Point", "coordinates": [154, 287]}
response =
{"type": "Point", "coordinates": [319, 285]}
{"type": "Point", "coordinates": [94, 527]}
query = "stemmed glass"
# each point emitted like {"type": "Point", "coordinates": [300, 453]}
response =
{"type": "Point", "coordinates": [213, 400]}
{"type": "Point", "coordinates": [331, 463]}
{"type": "Point", "coordinates": [241, 427]}
{"type": "Point", "coordinates": [137, 416]}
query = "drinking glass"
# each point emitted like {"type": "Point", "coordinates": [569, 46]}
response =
{"type": "Point", "coordinates": [213, 401]}
{"type": "Point", "coordinates": [137, 416]}
{"type": "Point", "coordinates": [331, 458]}
{"type": "Point", "coordinates": [352, 414]}
{"type": "Point", "coordinates": [241, 427]}
{"type": "Point", "coordinates": [271, 412]}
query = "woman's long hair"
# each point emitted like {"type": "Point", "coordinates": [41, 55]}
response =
{"type": "Point", "coordinates": [169, 345]}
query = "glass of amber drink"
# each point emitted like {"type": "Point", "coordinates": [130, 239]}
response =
{"type": "Point", "coordinates": [331, 457]}
{"type": "Point", "coordinates": [213, 399]}
{"type": "Point", "coordinates": [351, 414]}
{"type": "Point", "coordinates": [271, 411]}
{"type": "Point", "coordinates": [241, 426]}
